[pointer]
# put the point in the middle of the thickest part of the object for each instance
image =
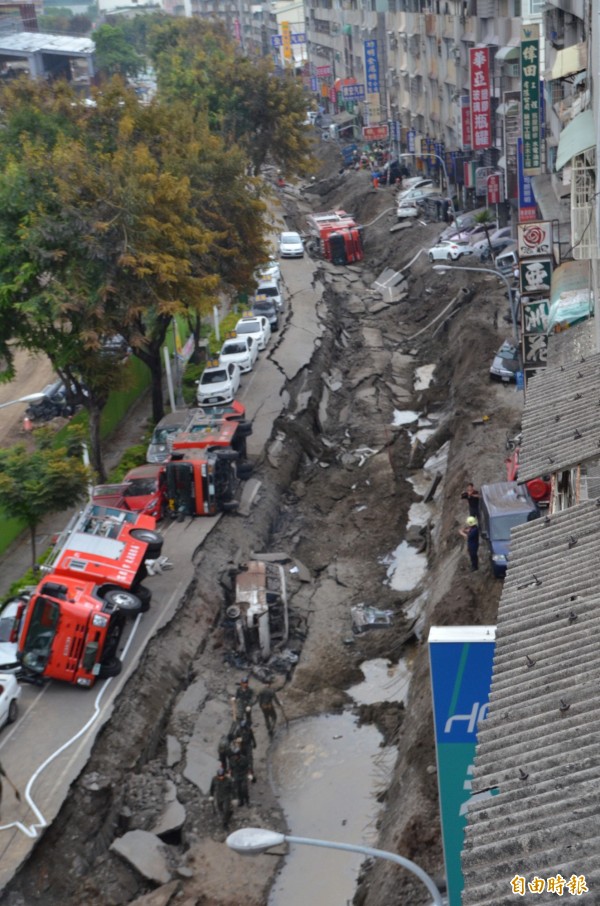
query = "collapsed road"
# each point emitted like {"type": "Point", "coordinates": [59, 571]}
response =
{"type": "Point", "coordinates": [336, 495]}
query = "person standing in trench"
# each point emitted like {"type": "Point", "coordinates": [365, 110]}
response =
{"type": "Point", "coordinates": [471, 495]}
{"type": "Point", "coordinates": [470, 532]}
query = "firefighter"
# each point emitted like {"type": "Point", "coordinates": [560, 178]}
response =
{"type": "Point", "coordinates": [267, 699]}
{"type": "Point", "coordinates": [247, 743]}
{"type": "Point", "coordinates": [243, 701]}
{"type": "Point", "coordinates": [239, 773]}
{"type": "Point", "coordinates": [221, 795]}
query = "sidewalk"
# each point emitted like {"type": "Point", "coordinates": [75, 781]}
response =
{"type": "Point", "coordinates": [16, 560]}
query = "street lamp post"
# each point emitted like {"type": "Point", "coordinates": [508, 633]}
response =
{"type": "Point", "coordinates": [251, 841]}
{"type": "Point", "coordinates": [443, 163]}
{"type": "Point", "coordinates": [488, 270]}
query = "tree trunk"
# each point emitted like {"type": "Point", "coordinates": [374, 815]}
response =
{"type": "Point", "coordinates": [94, 413]}
{"type": "Point", "coordinates": [32, 531]}
{"type": "Point", "coordinates": [158, 406]}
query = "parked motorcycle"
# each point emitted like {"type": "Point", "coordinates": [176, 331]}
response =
{"type": "Point", "coordinates": [51, 405]}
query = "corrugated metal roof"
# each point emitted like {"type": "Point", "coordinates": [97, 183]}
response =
{"type": "Point", "coordinates": [32, 42]}
{"type": "Point", "coordinates": [539, 747]}
{"type": "Point", "coordinates": [570, 345]}
{"type": "Point", "coordinates": [561, 418]}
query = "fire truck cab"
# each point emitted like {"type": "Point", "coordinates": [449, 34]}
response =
{"type": "Point", "coordinates": [200, 482]}
{"type": "Point", "coordinates": [337, 236]}
{"type": "Point", "coordinates": [75, 616]}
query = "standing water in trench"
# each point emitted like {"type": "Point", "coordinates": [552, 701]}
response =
{"type": "Point", "coordinates": [328, 771]}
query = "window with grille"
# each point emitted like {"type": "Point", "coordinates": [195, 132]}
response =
{"type": "Point", "coordinates": [584, 238]}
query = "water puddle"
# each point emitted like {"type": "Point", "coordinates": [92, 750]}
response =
{"type": "Point", "coordinates": [383, 682]}
{"type": "Point", "coordinates": [327, 771]}
{"type": "Point", "coordinates": [419, 514]}
{"type": "Point", "coordinates": [405, 567]}
{"type": "Point", "coordinates": [424, 376]}
{"type": "Point", "coordinates": [404, 417]}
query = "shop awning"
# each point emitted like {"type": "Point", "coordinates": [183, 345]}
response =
{"type": "Point", "coordinates": [344, 118]}
{"type": "Point", "coordinates": [570, 295]}
{"type": "Point", "coordinates": [569, 61]}
{"type": "Point", "coordinates": [508, 54]}
{"type": "Point", "coordinates": [575, 138]}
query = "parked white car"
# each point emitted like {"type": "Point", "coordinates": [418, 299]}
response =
{"type": "Point", "coordinates": [272, 291]}
{"type": "Point", "coordinates": [10, 624]}
{"type": "Point", "coordinates": [422, 189]}
{"type": "Point", "coordinates": [447, 250]}
{"type": "Point", "coordinates": [270, 271]}
{"type": "Point", "coordinates": [407, 209]}
{"type": "Point", "coordinates": [257, 327]}
{"type": "Point", "coordinates": [242, 351]}
{"type": "Point", "coordinates": [218, 384]}
{"type": "Point", "coordinates": [291, 246]}
{"type": "Point", "coordinates": [10, 692]}
{"type": "Point", "coordinates": [414, 182]}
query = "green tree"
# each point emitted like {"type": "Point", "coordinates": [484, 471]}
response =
{"type": "Point", "coordinates": [114, 54]}
{"type": "Point", "coordinates": [485, 219]}
{"type": "Point", "coordinates": [99, 234]}
{"type": "Point", "coordinates": [246, 103]}
{"type": "Point", "coordinates": [49, 480]}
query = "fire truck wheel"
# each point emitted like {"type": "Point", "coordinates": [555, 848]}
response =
{"type": "Point", "coordinates": [128, 604]}
{"type": "Point", "coordinates": [230, 506]}
{"type": "Point", "coordinates": [112, 667]}
{"type": "Point", "coordinates": [145, 596]}
{"type": "Point", "coordinates": [244, 470]}
{"type": "Point", "coordinates": [244, 429]}
{"type": "Point", "coordinates": [225, 455]}
{"type": "Point", "coordinates": [152, 539]}
{"type": "Point", "coordinates": [13, 711]}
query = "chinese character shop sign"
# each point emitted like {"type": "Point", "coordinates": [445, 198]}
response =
{"type": "Point", "coordinates": [530, 97]}
{"type": "Point", "coordinates": [372, 67]}
{"type": "Point", "coordinates": [286, 41]}
{"type": "Point", "coordinates": [493, 189]}
{"type": "Point", "coordinates": [481, 121]}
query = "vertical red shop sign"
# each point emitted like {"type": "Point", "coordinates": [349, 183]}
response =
{"type": "Point", "coordinates": [465, 121]}
{"type": "Point", "coordinates": [481, 121]}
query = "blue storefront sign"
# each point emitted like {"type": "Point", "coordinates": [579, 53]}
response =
{"type": "Point", "coordinates": [353, 92]}
{"type": "Point", "coordinates": [527, 205]}
{"type": "Point", "coordinates": [410, 138]}
{"type": "Point", "coordinates": [461, 659]}
{"type": "Point", "coordinates": [372, 66]}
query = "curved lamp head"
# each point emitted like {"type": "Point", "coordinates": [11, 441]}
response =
{"type": "Point", "coordinates": [442, 268]}
{"type": "Point", "coordinates": [250, 841]}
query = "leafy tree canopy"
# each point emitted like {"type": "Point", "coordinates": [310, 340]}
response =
{"type": "Point", "coordinates": [114, 54]}
{"type": "Point", "coordinates": [49, 480]}
{"type": "Point", "coordinates": [246, 103]}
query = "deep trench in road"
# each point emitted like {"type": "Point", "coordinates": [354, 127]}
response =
{"type": "Point", "coordinates": [336, 494]}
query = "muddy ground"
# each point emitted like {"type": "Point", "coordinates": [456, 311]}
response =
{"type": "Point", "coordinates": [339, 518]}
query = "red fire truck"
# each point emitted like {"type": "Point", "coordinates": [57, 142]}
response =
{"type": "Point", "coordinates": [336, 236]}
{"type": "Point", "coordinates": [200, 482]}
{"type": "Point", "coordinates": [210, 433]}
{"type": "Point", "coordinates": [75, 616]}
